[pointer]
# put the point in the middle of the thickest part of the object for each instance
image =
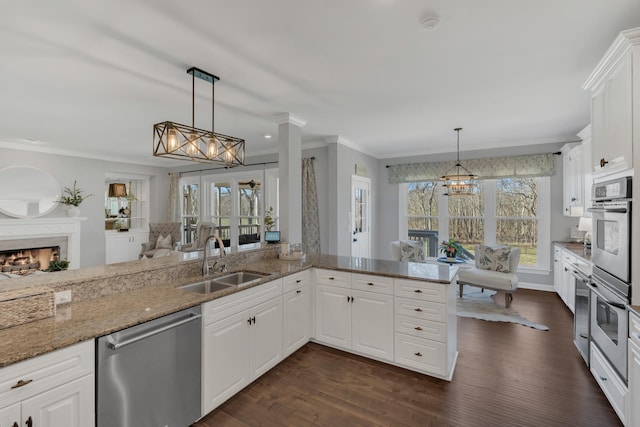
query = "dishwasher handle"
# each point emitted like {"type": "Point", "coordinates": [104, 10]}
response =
{"type": "Point", "coordinates": [114, 345]}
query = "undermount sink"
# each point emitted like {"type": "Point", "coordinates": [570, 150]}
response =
{"type": "Point", "coordinates": [240, 278]}
{"type": "Point", "coordinates": [237, 279]}
{"type": "Point", "coordinates": [206, 287]}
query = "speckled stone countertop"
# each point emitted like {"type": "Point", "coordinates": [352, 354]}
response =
{"type": "Point", "coordinates": [90, 318]}
{"type": "Point", "coordinates": [577, 249]}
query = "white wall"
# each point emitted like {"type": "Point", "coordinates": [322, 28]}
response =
{"type": "Point", "coordinates": [90, 175]}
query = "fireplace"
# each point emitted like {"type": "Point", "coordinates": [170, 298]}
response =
{"type": "Point", "coordinates": [28, 260]}
{"type": "Point", "coordinates": [20, 238]}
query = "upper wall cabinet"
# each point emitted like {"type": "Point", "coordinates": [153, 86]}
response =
{"type": "Point", "coordinates": [573, 180]}
{"type": "Point", "coordinates": [615, 90]}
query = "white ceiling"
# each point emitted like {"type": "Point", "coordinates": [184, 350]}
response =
{"type": "Point", "coordinates": [93, 76]}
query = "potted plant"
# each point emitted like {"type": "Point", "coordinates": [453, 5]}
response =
{"type": "Point", "coordinates": [451, 249]}
{"type": "Point", "coordinates": [268, 219]}
{"type": "Point", "coordinates": [58, 265]}
{"type": "Point", "coordinates": [72, 197]}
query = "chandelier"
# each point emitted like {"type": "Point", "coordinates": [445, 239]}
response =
{"type": "Point", "coordinates": [458, 180]}
{"type": "Point", "coordinates": [183, 142]}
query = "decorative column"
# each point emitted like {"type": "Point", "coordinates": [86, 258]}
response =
{"type": "Point", "coordinates": [290, 173]}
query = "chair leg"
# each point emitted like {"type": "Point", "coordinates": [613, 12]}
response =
{"type": "Point", "coordinates": [508, 297]}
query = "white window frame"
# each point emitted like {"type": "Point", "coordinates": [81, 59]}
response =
{"type": "Point", "coordinates": [490, 219]}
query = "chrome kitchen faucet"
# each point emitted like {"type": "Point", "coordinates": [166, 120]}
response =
{"type": "Point", "coordinates": [205, 261]}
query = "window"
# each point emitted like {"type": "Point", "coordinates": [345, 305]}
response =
{"type": "Point", "coordinates": [507, 211]}
{"type": "Point", "coordinates": [190, 202]}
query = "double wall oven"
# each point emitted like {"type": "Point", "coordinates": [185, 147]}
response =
{"type": "Point", "coordinates": [611, 278]}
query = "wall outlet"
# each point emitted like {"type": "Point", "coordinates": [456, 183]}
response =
{"type": "Point", "coordinates": [63, 297]}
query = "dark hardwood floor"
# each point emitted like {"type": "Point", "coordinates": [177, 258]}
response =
{"type": "Point", "coordinates": [506, 375]}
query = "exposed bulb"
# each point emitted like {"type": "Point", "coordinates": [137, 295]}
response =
{"type": "Point", "coordinates": [172, 140]}
{"type": "Point", "coordinates": [229, 153]}
{"type": "Point", "coordinates": [212, 148]}
{"type": "Point", "coordinates": [193, 145]}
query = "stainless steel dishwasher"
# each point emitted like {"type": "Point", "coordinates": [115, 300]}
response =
{"type": "Point", "coordinates": [150, 374]}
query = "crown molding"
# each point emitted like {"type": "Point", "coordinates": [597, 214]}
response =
{"type": "Point", "coordinates": [585, 133]}
{"type": "Point", "coordinates": [337, 139]}
{"type": "Point", "coordinates": [282, 118]}
{"type": "Point", "coordinates": [625, 41]}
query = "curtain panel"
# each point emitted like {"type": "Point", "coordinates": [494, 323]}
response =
{"type": "Point", "coordinates": [533, 165]}
{"type": "Point", "coordinates": [310, 218]}
{"type": "Point", "coordinates": [173, 202]}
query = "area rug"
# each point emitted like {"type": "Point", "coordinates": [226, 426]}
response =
{"type": "Point", "coordinates": [480, 305]}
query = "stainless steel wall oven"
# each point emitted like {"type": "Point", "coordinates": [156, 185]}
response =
{"type": "Point", "coordinates": [611, 278]}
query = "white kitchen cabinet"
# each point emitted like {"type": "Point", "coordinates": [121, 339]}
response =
{"type": "Point", "coordinates": [52, 390]}
{"type": "Point", "coordinates": [568, 294]}
{"type": "Point", "coordinates": [634, 370]}
{"type": "Point", "coordinates": [242, 339]}
{"type": "Point", "coordinates": [124, 246]}
{"type": "Point", "coordinates": [353, 319]}
{"type": "Point", "coordinates": [587, 168]}
{"type": "Point", "coordinates": [557, 269]}
{"type": "Point", "coordinates": [614, 86]}
{"type": "Point", "coordinates": [297, 311]}
{"type": "Point", "coordinates": [425, 328]}
{"type": "Point", "coordinates": [573, 181]}
{"type": "Point", "coordinates": [612, 386]}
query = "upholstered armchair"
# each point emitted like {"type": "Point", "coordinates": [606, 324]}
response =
{"type": "Point", "coordinates": [163, 236]}
{"type": "Point", "coordinates": [495, 269]}
{"type": "Point", "coordinates": [203, 231]}
{"type": "Point", "coordinates": [408, 250]}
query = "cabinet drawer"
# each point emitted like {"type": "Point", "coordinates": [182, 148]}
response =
{"type": "Point", "coordinates": [634, 328]}
{"type": "Point", "coordinates": [370, 283]}
{"type": "Point", "coordinates": [420, 354]}
{"type": "Point", "coordinates": [295, 281]}
{"type": "Point", "coordinates": [421, 328]}
{"type": "Point", "coordinates": [419, 309]}
{"type": "Point", "coordinates": [568, 258]}
{"type": "Point", "coordinates": [44, 372]}
{"type": "Point", "coordinates": [610, 383]}
{"type": "Point", "coordinates": [221, 308]}
{"type": "Point", "coordinates": [424, 291]}
{"type": "Point", "coordinates": [333, 278]}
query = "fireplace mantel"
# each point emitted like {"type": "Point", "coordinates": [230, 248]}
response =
{"type": "Point", "coordinates": [30, 228]}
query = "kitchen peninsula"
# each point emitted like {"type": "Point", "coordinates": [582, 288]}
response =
{"type": "Point", "coordinates": [398, 313]}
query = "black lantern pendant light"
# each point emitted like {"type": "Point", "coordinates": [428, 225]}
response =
{"type": "Point", "coordinates": [183, 142]}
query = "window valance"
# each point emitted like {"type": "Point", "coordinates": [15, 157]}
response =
{"type": "Point", "coordinates": [532, 165]}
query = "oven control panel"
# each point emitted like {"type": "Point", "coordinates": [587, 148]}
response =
{"type": "Point", "coordinates": [611, 190]}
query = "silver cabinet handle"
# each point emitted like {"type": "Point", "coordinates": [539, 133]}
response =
{"type": "Point", "coordinates": [114, 345]}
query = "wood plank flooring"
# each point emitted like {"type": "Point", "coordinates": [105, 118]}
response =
{"type": "Point", "coordinates": [506, 375]}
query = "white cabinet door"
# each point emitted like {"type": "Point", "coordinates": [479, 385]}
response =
{"type": "Point", "coordinates": [297, 319]}
{"type": "Point", "coordinates": [333, 315]}
{"type": "Point", "coordinates": [372, 324]}
{"type": "Point", "coordinates": [226, 359]}
{"type": "Point", "coordinates": [573, 182]}
{"type": "Point", "coordinates": [634, 384]}
{"type": "Point", "coordinates": [557, 269]}
{"type": "Point", "coordinates": [266, 336]}
{"type": "Point", "coordinates": [70, 405]}
{"type": "Point", "coordinates": [10, 417]}
{"type": "Point", "coordinates": [568, 290]}
{"type": "Point", "coordinates": [123, 247]}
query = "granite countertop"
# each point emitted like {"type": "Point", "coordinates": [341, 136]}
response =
{"type": "Point", "coordinates": [88, 319]}
{"type": "Point", "coordinates": [577, 249]}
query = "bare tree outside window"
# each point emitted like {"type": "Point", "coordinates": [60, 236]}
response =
{"type": "Point", "coordinates": [516, 212]}
{"type": "Point", "coordinates": [422, 209]}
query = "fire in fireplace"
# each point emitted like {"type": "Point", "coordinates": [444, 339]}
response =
{"type": "Point", "coordinates": [26, 261]}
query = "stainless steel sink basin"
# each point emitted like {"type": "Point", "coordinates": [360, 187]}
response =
{"type": "Point", "coordinates": [206, 287]}
{"type": "Point", "coordinates": [239, 278]}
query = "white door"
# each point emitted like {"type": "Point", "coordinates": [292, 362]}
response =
{"type": "Point", "coordinates": [297, 318]}
{"type": "Point", "coordinates": [372, 324]}
{"type": "Point", "coordinates": [360, 217]}
{"type": "Point", "coordinates": [333, 315]}
{"type": "Point", "coordinates": [226, 359]}
{"type": "Point", "coordinates": [10, 417]}
{"type": "Point", "coordinates": [266, 336]}
{"type": "Point", "coordinates": [70, 405]}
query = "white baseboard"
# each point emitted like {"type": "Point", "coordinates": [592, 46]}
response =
{"type": "Point", "coordinates": [536, 286]}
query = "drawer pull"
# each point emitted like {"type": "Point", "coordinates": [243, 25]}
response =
{"type": "Point", "coordinates": [298, 291]}
{"type": "Point", "coordinates": [418, 309]}
{"type": "Point", "coordinates": [370, 283]}
{"type": "Point", "coordinates": [29, 422]}
{"type": "Point", "coordinates": [299, 280]}
{"type": "Point", "coordinates": [20, 383]}
{"type": "Point", "coordinates": [603, 378]}
{"type": "Point", "coordinates": [418, 328]}
{"type": "Point", "coordinates": [15, 424]}
{"type": "Point", "coordinates": [332, 278]}
{"type": "Point", "coordinates": [418, 354]}
{"type": "Point", "coordinates": [418, 291]}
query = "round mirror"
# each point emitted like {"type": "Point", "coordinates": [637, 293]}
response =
{"type": "Point", "coordinates": [27, 192]}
